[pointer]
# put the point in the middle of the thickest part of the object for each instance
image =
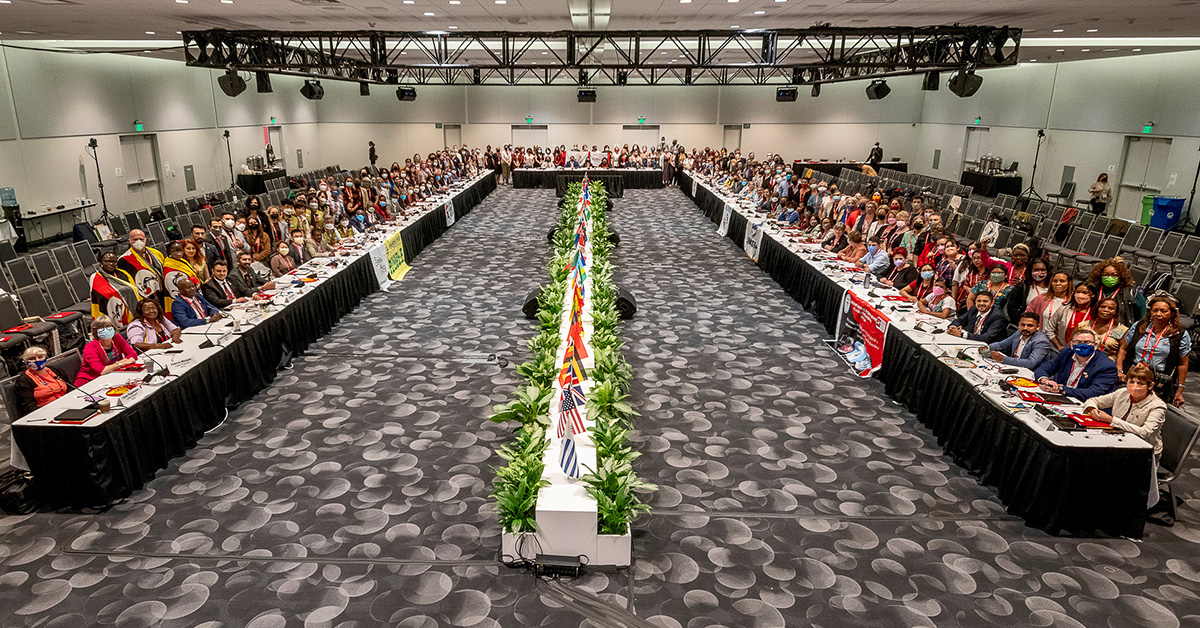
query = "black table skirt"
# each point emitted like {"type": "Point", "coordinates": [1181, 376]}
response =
{"type": "Point", "coordinates": [548, 179]}
{"type": "Point", "coordinates": [96, 466]}
{"type": "Point", "coordinates": [714, 208]}
{"type": "Point", "coordinates": [984, 184]}
{"type": "Point", "coordinates": [257, 183]}
{"type": "Point", "coordinates": [614, 184]}
{"type": "Point", "coordinates": [1056, 489]}
{"type": "Point", "coordinates": [1059, 490]}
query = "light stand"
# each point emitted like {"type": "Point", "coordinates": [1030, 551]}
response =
{"type": "Point", "coordinates": [1192, 199]}
{"type": "Point", "coordinates": [104, 215]}
{"type": "Point", "coordinates": [1029, 191]}
{"type": "Point", "coordinates": [232, 182]}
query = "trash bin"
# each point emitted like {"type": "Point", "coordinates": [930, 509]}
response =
{"type": "Point", "coordinates": [1168, 210]}
{"type": "Point", "coordinates": [1147, 209]}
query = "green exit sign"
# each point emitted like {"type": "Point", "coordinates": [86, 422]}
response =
{"type": "Point", "coordinates": [977, 119]}
{"type": "Point", "coordinates": [272, 119]}
{"type": "Point", "coordinates": [641, 120]}
{"type": "Point", "coordinates": [528, 119]}
{"type": "Point", "coordinates": [1148, 128]}
{"type": "Point", "coordinates": [137, 126]}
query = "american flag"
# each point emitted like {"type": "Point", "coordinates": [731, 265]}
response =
{"type": "Point", "coordinates": [569, 412]}
{"type": "Point", "coordinates": [569, 459]}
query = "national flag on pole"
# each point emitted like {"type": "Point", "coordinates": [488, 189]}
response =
{"type": "Point", "coordinates": [577, 393]}
{"type": "Point", "coordinates": [569, 414]}
{"type": "Point", "coordinates": [575, 337]}
{"type": "Point", "coordinates": [572, 370]}
{"type": "Point", "coordinates": [568, 459]}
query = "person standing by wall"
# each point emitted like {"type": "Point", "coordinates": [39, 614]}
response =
{"type": "Point", "coordinates": [1101, 194]}
{"type": "Point", "coordinates": [875, 157]}
{"type": "Point", "coordinates": [371, 154]}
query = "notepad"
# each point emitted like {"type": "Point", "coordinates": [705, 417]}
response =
{"type": "Point", "coordinates": [75, 416]}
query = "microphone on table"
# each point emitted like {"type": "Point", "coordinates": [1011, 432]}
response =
{"type": "Point", "coordinates": [163, 371]}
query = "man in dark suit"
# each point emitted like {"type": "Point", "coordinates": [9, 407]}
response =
{"type": "Point", "coordinates": [217, 245]}
{"type": "Point", "coordinates": [876, 156]}
{"type": "Point", "coordinates": [1026, 348]}
{"type": "Point", "coordinates": [981, 322]}
{"type": "Point", "coordinates": [1080, 370]}
{"type": "Point", "coordinates": [244, 280]}
{"type": "Point", "coordinates": [218, 290]}
{"type": "Point", "coordinates": [192, 309]}
{"type": "Point", "coordinates": [296, 248]}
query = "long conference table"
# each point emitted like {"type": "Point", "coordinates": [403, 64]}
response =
{"type": "Point", "coordinates": [548, 178]}
{"type": "Point", "coordinates": [216, 366]}
{"type": "Point", "coordinates": [1062, 482]}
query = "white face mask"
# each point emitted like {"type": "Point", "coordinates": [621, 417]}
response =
{"type": "Point", "coordinates": [139, 244]}
{"type": "Point", "coordinates": [241, 227]}
{"type": "Point", "coordinates": [287, 210]}
{"type": "Point", "coordinates": [329, 226]}
{"type": "Point", "coordinates": [228, 222]}
{"type": "Point", "coordinates": [324, 187]}
{"type": "Point", "coordinates": [345, 223]}
{"type": "Point", "coordinates": [298, 239]}
{"type": "Point", "coordinates": [312, 205]}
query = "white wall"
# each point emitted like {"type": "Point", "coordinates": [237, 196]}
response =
{"type": "Point", "coordinates": [58, 101]}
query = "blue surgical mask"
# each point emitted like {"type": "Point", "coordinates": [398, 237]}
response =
{"type": "Point", "coordinates": [927, 274]}
{"type": "Point", "coordinates": [1083, 350]}
{"type": "Point", "coordinates": [871, 250]}
{"type": "Point", "coordinates": [106, 333]}
{"type": "Point", "coordinates": [38, 365]}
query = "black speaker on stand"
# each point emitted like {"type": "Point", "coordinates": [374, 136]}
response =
{"type": "Point", "coordinates": [530, 306]}
{"type": "Point", "coordinates": [626, 304]}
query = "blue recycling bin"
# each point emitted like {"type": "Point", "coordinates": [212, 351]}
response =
{"type": "Point", "coordinates": [1168, 210]}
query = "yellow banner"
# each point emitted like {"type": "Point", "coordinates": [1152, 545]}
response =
{"type": "Point", "coordinates": [397, 267]}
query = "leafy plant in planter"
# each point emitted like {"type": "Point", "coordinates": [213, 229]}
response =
{"type": "Point", "coordinates": [531, 407]}
{"type": "Point", "coordinates": [517, 484]}
{"type": "Point", "coordinates": [615, 488]}
{"type": "Point", "coordinates": [608, 400]}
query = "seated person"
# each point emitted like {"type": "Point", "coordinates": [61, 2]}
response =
{"type": "Point", "coordinates": [1134, 409]}
{"type": "Point", "coordinates": [192, 309]}
{"type": "Point", "coordinates": [219, 290]}
{"type": "Point", "coordinates": [901, 273]}
{"type": "Point", "coordinates": [836, 239]}
{"type": "Point", "coordinates": [920, 288]}
{"type": "Point", "coordinates": [38, 384]}
{"type": "Point", "coordinates": [876, 261]}
{"type": "Point", "coordinates": [789, 215]}
{"type": "Point", "coordinates": [938, 302]}
{"type": "Point", "coordinates": [108, 352]}
{"type": "Point", "coordinates": [1079, 371]}
{"type": "Point", "coordinates": [245, 281]}
{"type": "Point", "coordinates": [1026, 348]}
{"type": "Point", "coordinates": [855, 249]}
{"type": "Point", "coordinates": [150, 329]}
{"type": "Point", "coordinates": [980, 322]}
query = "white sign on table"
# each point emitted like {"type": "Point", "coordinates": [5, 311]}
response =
{"type": "Point", "coordinates": [450, 212]}
{"type": "Point", "coordinates": [723, 230]}
{"type": "Point", "coordinates": [753, 239]}
{"type": "Point", "coordinates": [693, 188]}
{"type": "Point", "coordinates": [380, 264]}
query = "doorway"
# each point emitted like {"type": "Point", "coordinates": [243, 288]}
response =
{"type": "Point", "coordinates": [139, 158]}
{"type": "Point", "coordinates": [640, 135]}
{"type": "Point", "coordinates": [731, 138]}
{"type": "Point", "coordinates": [975, 146]}
{"type": "Point", "coordinates": [452, 135]}
{"type": "Point", "coordinates": [1144, 171]}
{"type": "Point", "coordinates": [275, 139]}
{"type": "Point", "coordinates": [530, 135]}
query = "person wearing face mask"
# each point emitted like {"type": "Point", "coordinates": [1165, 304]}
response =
{"type": "Point", "coordinates": [271, 226]}
{"type": "Point", "coordinates": [361, 222]}
{"type": "Point", "coordinates": [1109, 327]}
{"type": "Point", "coordinates": [106, 353]}
{"type": "Point", "coordinates": [877, 261]}
{"type": "Point", "coordinates": [1111, 279]}
{"type": "Point", "coordinates": [235, 230]}
{"type": "Point", "coordinates": [836, 239]}
{"type": "Point", "coordinates": [217, 244]}
{"type": "Point", "coordinates": [1079, 370]}
{"type": "Point", "coordinates": [922, 287]}
{"type": "Point", "coordinates": [896, 238]}
{"type": "Point", "coordinates": [113, 291]}
{"type": "Point", "coordinates": [39, 384]}
{"type": "Point", "coordinates": [176, 266]}
{"type": "Point", "coordinates": [1066, 319]}
{"type": "Point", "coordinates": [1026, 348]}
{"type": "Point", "coordinates": [352, 197]}
{"type": "Point", "coordinates": [938, 302]}
{"type": "Point", "coordinates": [302, 218]}
{"type": "Point", "coordinates": [282, 261]}
{"type": "Point", "coordinates": [981, 322]}
{"type": "Point", "coordinates": [144, 264]}
{"type": "Point", "coordinates": [381, 210]}
{"type": "Point", "coordinates": [997, 284]}
{"type": "Point", "coordinates": [902, 272]}
{"type": "Point", "coordinates": [297, 248]}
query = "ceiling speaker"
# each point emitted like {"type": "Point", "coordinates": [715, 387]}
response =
{"type": "Point", "coordinates": [785, 94]}
{"type": "Point", "coordinates": [231, 83]}
{"type": "Point", "coordinates": [262, 82]}
{"type": "Point", "coordinates": [930, 84]}
{"type": "Point", "coordinates": [965, 84]}
{"type": "Point", "coordinates": [587, 95]}
{"type": "Point", "coordinates": [406, 94]}
{"type": "Point", "coordinates": [878, 90]}
{"type": "Point", "coordinates": [312, 90]}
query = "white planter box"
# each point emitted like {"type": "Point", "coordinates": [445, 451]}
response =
{"type": "Point", "coordinates": [614, 549]}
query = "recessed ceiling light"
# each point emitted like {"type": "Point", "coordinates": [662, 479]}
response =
{"type": "Point", "coordinates": [545, 53]}
{"type": "Point", "coordinates": [455, 1]}
{"type": "Point", "coordinates": [1060, 50]}
{"type": "Point", "coordinates": [1086, 50]}
{"type": "Point", "coordinates": [501, 1]}
{"type": "Point", "coordinates": [1137, 50]}
{"type": "Point", "coordinates": [226, 1]}
{"type": "Point", "coordinates": [760, 12]}
{"type": "Point", "coordinates": [1058, 30]}
{"type": "Point", "coordinates": [1032, 60]}
{"type": "Point", "coordinates": [410, 1]}
{"type": "Point", "coordinates": [429, 13]}
{"type": "Point", "coordinates": [780, 0]}
{"type": "Point", "coordinates": [149, 32]}
{"type": "Point", "coordinates": [181, 1]}
{"type": "Point", "coordinates": [735, 26]}
{"type": "Point", "coordinates": [453, 28]}
{"type": "Point", "coordinates": [685, 1]}
{"type": "Point", "coordinates": [1092, 30]}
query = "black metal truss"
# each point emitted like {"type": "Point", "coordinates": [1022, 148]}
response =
{"type": "Point", "coordinates": [822, 54]}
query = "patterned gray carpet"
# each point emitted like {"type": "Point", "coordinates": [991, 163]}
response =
{"type": "Point", "coordinates": [353, 492]}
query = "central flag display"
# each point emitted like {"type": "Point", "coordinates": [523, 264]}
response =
{"type": "Point", "coordinates": [572, 374]}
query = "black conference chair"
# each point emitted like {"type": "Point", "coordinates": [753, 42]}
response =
{"type": "Point", "coordinates": [7, 252]}
{"type": "Point", "coordinates": [13, 323]}
{"type": "Point", "coordinates": [87, 257]}
{"type": "Point", "coordinates": [43, 263]}
{"type": "Point", "coordinates": [1179, 433]}
{"type": "Point", "coordinates": [62, 298]}
{"type": "Point", "coordinates": [69, 362]}
{"type": "Point", "coordinates": [65, 258]}
{"type": "Point", "coordinates": [81, 286]}
{"type": "Point", "coordinates": [35, 304]}
{"type": "Point", "coordinates": [20, 273]}
{"type": "Point", "coordinates": [1067, 192]}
